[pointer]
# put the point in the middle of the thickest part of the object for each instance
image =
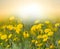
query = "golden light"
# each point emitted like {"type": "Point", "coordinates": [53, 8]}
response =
{"type": "Point", "coordinates": [31, 10]}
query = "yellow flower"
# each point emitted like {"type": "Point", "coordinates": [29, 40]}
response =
{"type": "Point", "coordinates": [17, 30]}
{"type": "Point", "coordinates": [20, 26]}
{"type": "Point", "coordinates": [50, 33]}
{"type": "Point", "coordinates": [45, 38]}
{"type": "Point", "coordinates": [40, 31]}
{"type": "Point", "coordinates": [10, 27]}
{"type": "Point", "coordinates": [58, 41]}
{"type": "Point", "coordinates": [47, 22]}
{"type": "Point", "coordinates": [11, 18]}
{"type": "Point", "coordinates": [33, 28]}
{"type": "Point", "coordinates": [36, 27]}
{"type": "Point", "coordinates": [25, 34]}
{"type": "Point", "coordinates": [39, 36]}
{"type": "Point", "coordinates": [10, 35]}
{"type": "Point", "coordinates": [39, 26]}
{"type": "Point", "coordinates": [4, 36]}
{"type": "Point", "coordinates": [33, 41]}
{"type": "Point", "coordinates": [57, 24]}
{"type": "Point", "coordinates": [47, 30]}
{"type": "Point", "coordinates": [52, 46]}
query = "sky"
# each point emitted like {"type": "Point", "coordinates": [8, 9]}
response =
{"type": "Point", "coordinates": [30, 8]}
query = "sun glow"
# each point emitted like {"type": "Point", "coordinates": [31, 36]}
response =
{"type": "Point", "coordinates": [31, 10]}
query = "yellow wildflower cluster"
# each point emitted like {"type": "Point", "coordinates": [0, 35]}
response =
{"type": "Point", "coordinates": [40, 35]}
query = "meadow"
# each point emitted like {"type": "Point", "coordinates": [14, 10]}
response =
{"type": "Point", "coordinates": [14, 34]}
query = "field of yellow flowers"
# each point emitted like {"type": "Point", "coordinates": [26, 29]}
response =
{"type": "Point", "coordinates": [14, 34]}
